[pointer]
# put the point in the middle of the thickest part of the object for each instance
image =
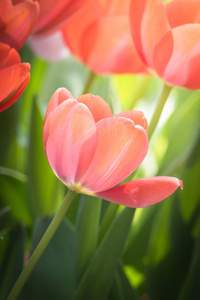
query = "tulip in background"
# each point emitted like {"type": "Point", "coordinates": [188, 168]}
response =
{"type": "Point", "coordinates": [167, 39]}
{"type": "Point", "coordinates": [99, 36]}
{"type": "Point", "coordinates": [20, 19]}
{"type": "Point", "coordinates": [17, 21]}
{"type": "Point", "coordinates": [92, 151]}
{"type": "Point", "coordinates": [14, 76]}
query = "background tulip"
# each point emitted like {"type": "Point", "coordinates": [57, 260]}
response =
{"type": "Point", "coordinates": [54, 14]}
{"type": "Point", "coordinates": [92, 151]}
{"type": "Point", "coordinates": [14, 76]}
{"type": "Point", "coordinates": [17, 21]}
{"type": "Point", "coordinates": [167, 39]}
{"type": "Point", "coordinates": [99, 35]}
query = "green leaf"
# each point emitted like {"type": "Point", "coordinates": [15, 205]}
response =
{"type": "Point", "coordinates": [8, 125]}
{"type": "Point", "coordinates": [170, 251]}
{"type": "Point", "coordinates": [99, 275]}
{"type": "Point", "coordinates": [189, 199]}
{"type": "Point", "coordinates": [138, 239]}
{"type": "Point", "coordinates": [54, 276]}
{"type": "Point", "coordinates": [44, 190]}
{"type": "Point", "coordinates": [87, 231]}
{"type": "Point", "coordinates": [13, 194]}
{"type": "Point", "coordinates": [190, 288]}
{"type": "Point", "coordinates": [12, 243]}
{"type": "Point", "coordinates": [121, 288]}
{"type": "Point", "coordinates": [107, 219]}
{"type": "Point", "coordinates": [4, 214]}
{"type": "Point", "coordinates": [179, 134]}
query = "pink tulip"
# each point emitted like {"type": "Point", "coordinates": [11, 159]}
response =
{"type": "Point", "coordinates": [91, 151]}
{"type": "Point", "coordinates": [99, 35]}
{"type": "Point", "coordinates": [167, 38]}
{"type": "Point", "coordinates": [17, 21]}
{"type": "Point", "coordinates": [14, 76]}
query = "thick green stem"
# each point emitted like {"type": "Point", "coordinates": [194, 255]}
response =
{"type": "Point", "coordinates": [88, 83]}
{"type": "Point", "coordinates": [42, 245]}
{"type": "Point", "coordinates": [158, 111]}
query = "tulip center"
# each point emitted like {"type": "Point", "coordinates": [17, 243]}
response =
{"type": "Point", "coordinates": [78, 188]}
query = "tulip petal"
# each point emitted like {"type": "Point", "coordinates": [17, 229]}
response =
{"type": "Point", "coordinates": [5, 4]}
{"type": "Point", "coordinates": [57, 98]}
{"type": "Point", "coordinates": [107, 24]}
{"type": "Point", "coordinates": [69, 136]}
{"type": "Point", "coordinates": [72, 31]}
{"type": "Point", "coordinates": [50, 48]}
{"type": "Point", "coordinates": [142, 192]}
{"type": "Point", "coordinates": [11, 78]}
{"type": "Point", "coordinates": [14, 95]}
{"type": "Point", "coordinates": [97, 106]}
{"type": "Point", "coordinates": [121, 148]}
{"type": "Point", "coordinates": [148, 24]}
{"type": "Point", "coordinates": [17, 23]}
{"type": "Point", "coordinates": [184, 64]}
{"type": "Point", "coordinates": [8, 56]}
{"type": "Point", "coordinates": [136, 116]}
{"type": "Point", "coordinates": [118, 55]}
{"type": "Point", "coordinates": [54, 14]}
{"type": "Point", "coordinates": [180, 12]}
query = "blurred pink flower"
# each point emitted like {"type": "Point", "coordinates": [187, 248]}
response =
{"type": "Point", "coordinates": [92, 151]}
{"type": "Point", "coordinates": [14, 76]}
{"type": "Point", "coordinates": [99, 35]}
{"type": "Point", "coordinates": [54, 14]}
{"type": "Point", "coordinates": [167, 38]}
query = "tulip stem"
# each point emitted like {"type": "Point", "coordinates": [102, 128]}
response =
{"type": "Point", "coordinates": [158, 111]}
{"type": "Point", "coordinates": [88, 83]}
{"type": "Point", "coordinates": [42, 245]}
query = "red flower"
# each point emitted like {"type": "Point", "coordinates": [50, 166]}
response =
{"type": "Point", "coordinates": [167, 38]}
{"type": "Point", "coordinates": [92, 151]}
{"type": "Point", "coordinates": [99, 35]}
{"type": "Point", "coordinates": [17, 21]}
{"type": "Point", "coordinates": [14, 76]}
{"type": "Point", "coordinates": [20, 18]}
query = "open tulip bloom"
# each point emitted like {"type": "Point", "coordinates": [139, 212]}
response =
{"type": "Point", "coordinates": [91, 151]}
{"type": "Point", "coordinates": [167, 38]}
{"type": "Point", "coordinates": [14, 76]}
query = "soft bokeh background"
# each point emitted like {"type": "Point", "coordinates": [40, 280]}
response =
{"type": "Point", "coordinates": [161, 252]}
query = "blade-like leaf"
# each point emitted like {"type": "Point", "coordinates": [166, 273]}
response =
{"type": "Point", "coordinates": [12, 244]}
{"type": "Point", "coordinates": [53, 277]}
{"type": "Point", "coordinates": [43, 188]}
{"type": "Point", "coordinates": [99, 275]}
{"type": "Point", "coordinates": [13, 194]}
{"type": "Point", "coordinates": [121, 288]}
{"type": "Point", "coordinates": [87, 231]}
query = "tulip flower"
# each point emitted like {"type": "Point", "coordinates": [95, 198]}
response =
{"type": "Point", "coordinates": [17, 21]}
{"type": "Point", "coordinates": [91, 151]}
{"type": "Point", "coordinates": [14, 76]}
{"type": "Point", "coordinates": [167, 38]}
{"type": "Point", "coordinates": [99, 36]}
{"type": "Point", "coordinates": [54, 14]}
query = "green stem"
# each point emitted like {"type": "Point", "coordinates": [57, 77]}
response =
{"type": "Point", "coordinates": [42, 245]}
{"type": "Point", "coordinates": [88, 83]}
{"type": "Point", "coordinates": [159, 108]}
